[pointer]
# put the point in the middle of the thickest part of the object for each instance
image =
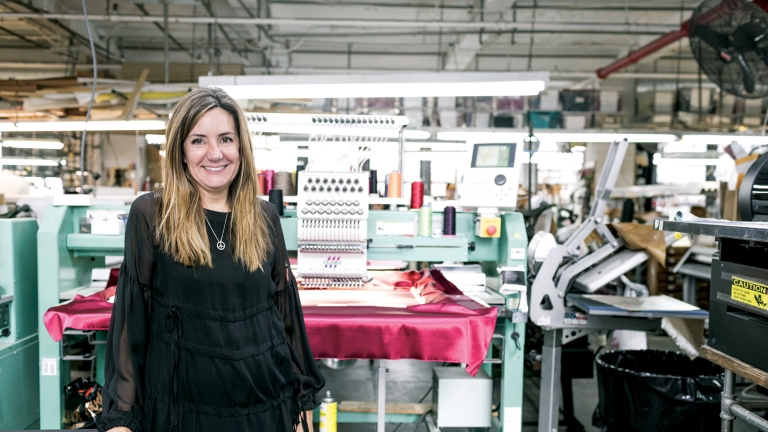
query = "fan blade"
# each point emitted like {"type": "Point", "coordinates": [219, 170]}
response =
{"type": "Point", "coordinates": [712, 38]}
{"type": "Point", "coordinates": [749, 76]}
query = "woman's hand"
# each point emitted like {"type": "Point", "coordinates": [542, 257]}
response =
{"type": "Point", "coordinates": [300, 428]}
{"type": "Point", "coordinates": [121, 429]}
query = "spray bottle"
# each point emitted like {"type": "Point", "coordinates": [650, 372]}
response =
{"type": "Point", "coordinates": [328, 410]}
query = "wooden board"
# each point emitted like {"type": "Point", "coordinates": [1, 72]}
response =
{"type": "Point", "coordinates": [749, 372]}
{"type": "Point", "coordinates": [391, 408]}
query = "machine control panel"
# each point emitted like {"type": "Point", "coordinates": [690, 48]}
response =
{"type": "Point", "coordinates": [491, 179]}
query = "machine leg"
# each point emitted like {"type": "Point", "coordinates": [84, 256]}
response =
{"type": "Point", "coordinates": [727, 399]}
{"type": "Point", "coordinates": [382, 409]}
{"type": "Point", "coordinates": [689, 290]}
{"type": "Point", "coordinates": [549, 400]}
{"type": "Point", "coordinates": [511, 408]}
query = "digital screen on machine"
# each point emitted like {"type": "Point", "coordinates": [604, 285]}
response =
{"type": "Point", "coordinates": [493, 155]}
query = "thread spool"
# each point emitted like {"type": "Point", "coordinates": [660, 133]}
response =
{"type": "Point", "coordinates": [373, 183]}
{"type": "Point", "coordinates": [270, 175]}
{"type": "Point", "coordinates": [395, 185]}
{"type": "Point", "coordinates": [426, 176]}
{"type": "Point", "coordinates": [417, 194]}
{"type": "Point", "coordinates": [449, 220]}
{"type": "Point", "coordinates": [284, 182]}
{"type": "Point", "coordinates": [276, 199]}
{"type": "Point", "coordinates": [425, 221]}
{"type": "Point", "coordinates": [262, 184]}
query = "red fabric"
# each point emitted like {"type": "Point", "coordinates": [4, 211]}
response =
{"type": "Point", "coordinates": [450, 327]}
{"type": "Point", "coordinates": [82, 313]}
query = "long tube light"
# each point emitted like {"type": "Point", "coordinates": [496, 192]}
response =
{"type": "Point", "coordinates": [658, 160]}
{"type": "Point", "coordinates": [14, 161]}
{"type": "Point", "coordinates": [595, 137]}
{"type": "Point", "coordinates": [725, 139]}
{"type": "Point", "coordinates": [33, 144]}
{"type": "Point", "coordinates": [77, 126]}
{"type": "Point", "coordinates": [444, 84]}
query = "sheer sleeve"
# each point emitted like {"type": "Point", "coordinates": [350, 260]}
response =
{"type": "Point", "coordinates": [309, 379]}
{"type": "Point", "coordinates": [128, 330]}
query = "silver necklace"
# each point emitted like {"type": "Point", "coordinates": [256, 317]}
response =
{"type": "Point", "coordinates": [220, 241]}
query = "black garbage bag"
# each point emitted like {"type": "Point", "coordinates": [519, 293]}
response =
{"type": "Point", "coordinates": [657, 391]}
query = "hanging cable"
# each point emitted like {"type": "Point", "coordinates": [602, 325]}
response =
{"type": "Point", "coordinates": [533, 25]}
{"type": "Point", "coordinates": [90, 102]}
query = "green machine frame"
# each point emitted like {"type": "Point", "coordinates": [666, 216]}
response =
{"type": "Point", "coordinates": [19, 390]}
{"type": "Point", "coordinates": [66, 258]}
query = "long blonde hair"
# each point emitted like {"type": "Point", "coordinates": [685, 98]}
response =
{"type": "Point", "coordinates": [181, 227]}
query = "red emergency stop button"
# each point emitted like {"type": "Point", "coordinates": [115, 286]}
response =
{"type": "Point", "coordinates": [491, 230]}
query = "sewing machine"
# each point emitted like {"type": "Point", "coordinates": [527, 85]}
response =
{"type": "Point", "coordinates": [18, 325]}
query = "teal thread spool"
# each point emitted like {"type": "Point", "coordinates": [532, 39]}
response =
{"type": "Point", "coordinates": [425, 221]}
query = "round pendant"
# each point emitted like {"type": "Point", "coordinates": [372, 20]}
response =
{"type": "Point", "coordinates": [220, 245]}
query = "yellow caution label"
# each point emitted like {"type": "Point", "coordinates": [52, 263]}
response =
{"type": "Point", "coordinates": [517, 235]}
{"type": "Point", "coordinates": [751, 293]}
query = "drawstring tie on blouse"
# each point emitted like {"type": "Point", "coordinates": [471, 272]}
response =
{"type": "Point", "coordinates": [172, 323]}
{"type": "Point", "coordinates": [300, 417]}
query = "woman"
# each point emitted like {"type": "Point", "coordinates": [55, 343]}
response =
{"type": "Point", "coordinates": [207, 331]}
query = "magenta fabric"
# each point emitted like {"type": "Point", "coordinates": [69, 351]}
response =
{"type": "Point", "coordinates": [450, 327]}
{"type": "Point", "coordinates": [82, 313]}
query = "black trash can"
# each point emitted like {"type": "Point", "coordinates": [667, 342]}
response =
{"type": "Point", "coordinates": [657, 391]}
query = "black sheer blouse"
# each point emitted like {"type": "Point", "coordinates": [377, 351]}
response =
{"type": "Point", "coordinates": [202, 349]}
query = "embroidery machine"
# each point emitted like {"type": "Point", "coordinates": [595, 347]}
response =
{"type": "Point", "coordinates": [68, 256]}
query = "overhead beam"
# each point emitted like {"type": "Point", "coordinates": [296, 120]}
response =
{"type": "Point", "coordinates": [467, 25]}
{"type": "Point", "coordinates": [35, 14]}
{"type": "Point", "coordinates": [159, 26]}
{"type": "Point", "coordinates": [431, 5]}
{"type": "Point", "coordinates": [12, 33]}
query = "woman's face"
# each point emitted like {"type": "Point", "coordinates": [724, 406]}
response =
{"type": "Point", "coordinates": [212, 151]}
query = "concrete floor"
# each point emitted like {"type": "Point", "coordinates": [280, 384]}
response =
{"type": "Point", "coordinates": [409, 381]}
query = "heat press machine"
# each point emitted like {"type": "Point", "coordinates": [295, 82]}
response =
{"type": "Point", "coordinates": [567, 274]}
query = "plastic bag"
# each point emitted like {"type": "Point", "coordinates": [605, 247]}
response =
{"type": "Point", "coordinates": [657, 391]}
{"type": "Point", "coordinates": [82, 404]}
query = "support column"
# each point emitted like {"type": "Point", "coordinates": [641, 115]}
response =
{"type": "Point", "coordinates": [549, 400]}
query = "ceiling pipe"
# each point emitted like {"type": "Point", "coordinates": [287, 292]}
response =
{"type": "Point", "coordinates": [662, 42]}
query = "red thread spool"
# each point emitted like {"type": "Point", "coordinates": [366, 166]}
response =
{"type": "Point", "coordinates": [417, 194]}
{"type": "Point", "coordinates": [262, 184]}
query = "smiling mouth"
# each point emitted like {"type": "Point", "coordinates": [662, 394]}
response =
{"type": "Point", "coordinates": [215, 169]}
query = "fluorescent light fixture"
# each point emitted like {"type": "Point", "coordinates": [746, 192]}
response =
{"type": "Point", "coordinates": [556, 161]}
{"type": "Point", "coordinates": [689, 146]}
{"type": "Point", "coordinates": [14, 161]}
{"type": "Point", "coordinates": [594, 137]}
{"type": "Point", "coordinates": [76, 126]}
{"type": "Point", "coordinates": [578, 149]}
{"type": "Point", "coordinates": [417, 134]}
{"type": "Point", "coordinates": [155, 139]}
{"type": "Point", "coordinates": [33, 144]}
{"type": "Point", "coordinates": [442, 84]}
{"type": "Point", "coordinates": [658, 160]}
{"type": "Point", "coordinates": [725, 139]}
